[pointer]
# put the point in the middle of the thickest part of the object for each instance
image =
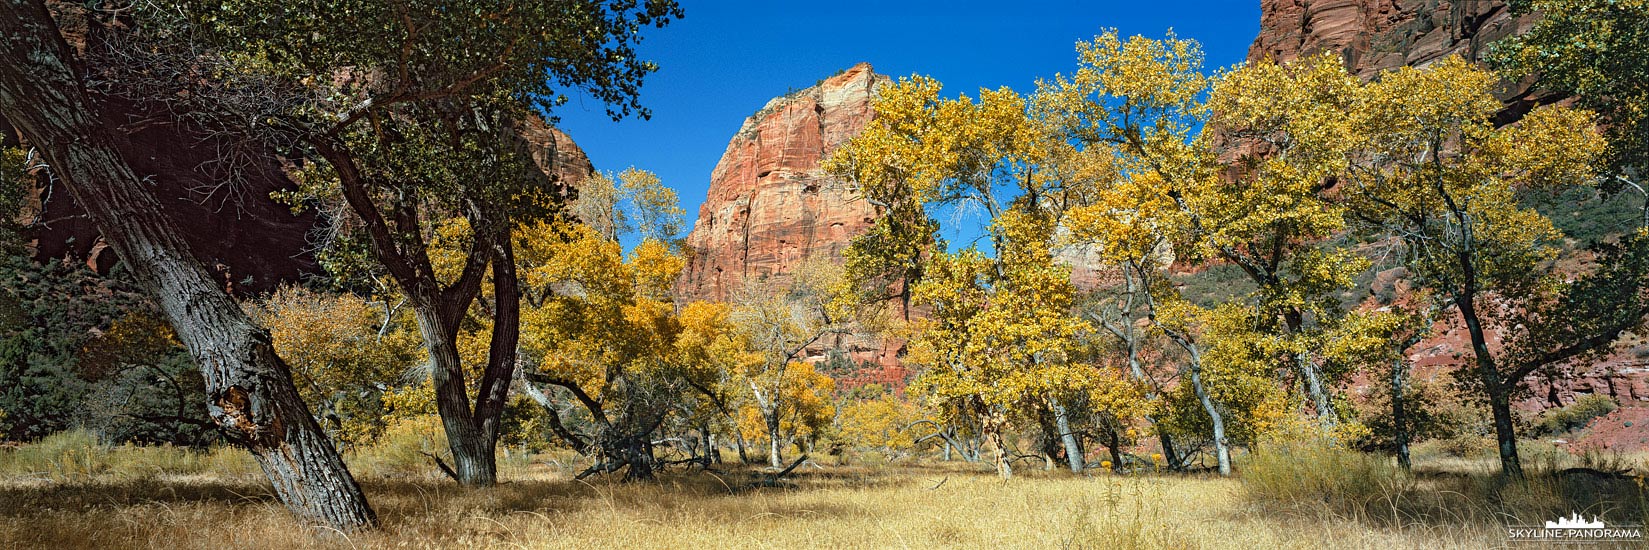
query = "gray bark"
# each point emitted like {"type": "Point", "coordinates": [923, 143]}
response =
{"type": "Point", "coordinates": [250, 392]}
{"type": "Point", "coordinates": [1073, 450]}
{"type": "Point", "coordinates": [1222, 448]}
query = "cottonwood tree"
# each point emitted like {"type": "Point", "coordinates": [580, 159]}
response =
{"type": "Point", "coordinates": [604, 328]}
{"type": "Point", "coordinates": [782, 324]}
{"type": "Point", "coordinates": [1432, 168]}
{"type": "Point", "coordinates": [1599, 53]}
{"type": "Point", "coordinates": [415, 111]}
{"type": "Point", "coordinates": [1001, 343]}
{"type": "Point", "coordinates": [345, 355]}
{"type": "Point", "coordinates": [250, 391]}
{"type": "Point", "coordinates": [1142, 102]}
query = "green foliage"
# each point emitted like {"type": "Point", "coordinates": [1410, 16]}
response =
{"type": "Point", "coordinates": [65, 361]}
{"type": "Point", "coordinates": [13, 185]}
{"type": "Point", "coordinates": [522, 52]}
{"type": "Point", "coordinates": [1573, 416]}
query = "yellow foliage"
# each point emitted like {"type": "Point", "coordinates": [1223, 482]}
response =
{"type": "Point", "coordinates": [341, 353]}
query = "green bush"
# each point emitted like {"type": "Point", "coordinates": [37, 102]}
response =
{"type": "Point", "coordinates": [1574, 416]}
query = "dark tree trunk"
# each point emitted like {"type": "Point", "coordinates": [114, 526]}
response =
{"type": "Point", "coordinates": [250, 392]}
{"type": "Point", "coordinates": [1399, 413]}
{"type": "Point", "coordinates": [1168, 454]}
{"type": "Point", "coordinates": [1498, 389]}
{"type": "Point", "coordinates": [1114, 445]}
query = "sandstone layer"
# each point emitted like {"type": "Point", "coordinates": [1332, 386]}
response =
{"type": "Point", "coordinates": [769, 205]}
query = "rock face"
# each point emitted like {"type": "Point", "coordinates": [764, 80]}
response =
{"type": "Point", "coordinates": [769, 205]}
{"type": "Point", "coordinates": [1377, 35]}
{"type": "Point", "coordinates": [556, 154]}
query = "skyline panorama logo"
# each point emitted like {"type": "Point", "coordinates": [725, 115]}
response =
{"type": "Point", "coordinates": [1576, 528]}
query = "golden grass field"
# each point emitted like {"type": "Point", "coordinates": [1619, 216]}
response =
{"type": "Point", "coordinates": [928, 505]}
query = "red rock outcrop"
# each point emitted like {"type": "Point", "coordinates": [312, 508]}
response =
{"type": "Point", "coordinates": [1376, 35]}
{"type": "Point", "coordinates": [769, 205]}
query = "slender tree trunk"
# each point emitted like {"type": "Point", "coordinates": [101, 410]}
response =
{"type": "Point", "coordinates": [1399, 413]}
{"type": "Point", "coordinates": [993, 434]}
{"type": "Point", "coordinates": [250, 394]}
{"type": "Point", "coordinates": [1222, 450]}
{"type": "Point", "coordinates": [1319, 394]}
{"type": "Point", "coordinates": [1073, 449]}
{"type": "Point", "coordinates": [743, 445]}
{"type": "Point", "coordinates": [1115, 447]}
{"type": "Point", "coordinates": [1138, 371]}
{"type": "Point", "coordinates": [1498, 390]}
{"type": "Point", "coordinates": [1169, 455]}
{"type": "Point", "coordinates": [1320, 398]}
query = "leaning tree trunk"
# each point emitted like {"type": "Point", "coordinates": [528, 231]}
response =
{"type": "Point", "coordinates": [1073, 449]}
{"type": "Point", "coordinates": [1222, 448]}
{"type": "Point", "coordinates": [250, 391]}
{"type": "Point", "coordinates": [1498, 389]}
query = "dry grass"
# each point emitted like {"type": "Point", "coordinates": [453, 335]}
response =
{"type": "Point", "coordinates": [885, 506]}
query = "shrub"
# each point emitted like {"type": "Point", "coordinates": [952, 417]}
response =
{"type": "Point", "coordinates": [1574, 416]}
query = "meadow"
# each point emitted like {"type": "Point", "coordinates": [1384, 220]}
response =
{"type": "Point", "coordinates": [69, 492]}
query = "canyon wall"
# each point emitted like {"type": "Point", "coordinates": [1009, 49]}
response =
{"type": "Point", "coordinates": [769, 205]}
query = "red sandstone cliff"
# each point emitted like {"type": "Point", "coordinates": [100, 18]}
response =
{"type": "Point", "coordinates": [1375, 35]}
{"type": "Point", "coordinates": [769, 205]}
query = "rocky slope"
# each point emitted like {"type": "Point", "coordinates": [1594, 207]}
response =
{"type": "Point", "coordinates": [769, 206]}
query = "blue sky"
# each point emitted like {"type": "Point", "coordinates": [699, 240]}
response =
{"type": "Point", "coordinates": [727, 58]}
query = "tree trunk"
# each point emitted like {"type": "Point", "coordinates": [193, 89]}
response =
{"type": "Point", "coordinates": [249, 389]}
{"type": "Point", "coordinates": [1399, 414]}
{"type": "Point", "coordinates": [1320, 399]}
{"type": "Point", "coordinates": [1319, 395]}
{"type": "Point", "coordinates": [1222, 451]}
{"type": "Point", "coordinates": [1115, 448]}
{"type": "Point", "coordinates": [744, 452]}
{"type": "Point", "coordinates": [1498, 390]}
{"type": "Point", "coordinates": [471, 450]}
{"type": "Point", "coordinates": [1500, 402]}
{"type": "Point", "coordinates": [993, 434]}
{"type": "Point", "coordinates": [1168, 453]}
{"type": "Point", "coordinates": [773, 458]}
{"type": "Point", "coordinates": [1073, 450]}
